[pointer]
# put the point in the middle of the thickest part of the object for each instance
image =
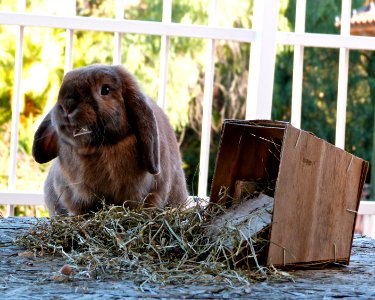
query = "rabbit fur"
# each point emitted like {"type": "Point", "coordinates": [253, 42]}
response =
{"type": "Point", "coordinates": [109, 141]}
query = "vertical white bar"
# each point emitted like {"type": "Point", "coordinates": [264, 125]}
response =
{"type": "Point", "coordinates": [70, 11]}
{"type": "Point", "coordinates": [342, 90]}
{"type": "Point", "coordinates": [298, 66]}
{"type": "Point", "coordinates": [16, 102]}
{"type": "Point", "coordinates": [207, 107]}
{"type": "Point", "coordinates": [164, 52]}
{"type": "Point", "coordinates": [117, 45]}
{"type": "Point", "coordinates": [68, 50]}
{"type": "Point", "coordinates": [262, 60]}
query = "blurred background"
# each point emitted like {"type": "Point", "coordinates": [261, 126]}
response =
{"type": "Point", "coordinates": [43, 70]}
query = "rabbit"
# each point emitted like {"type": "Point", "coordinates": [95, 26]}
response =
{"type": "Point", "coordinates": [109, 141]}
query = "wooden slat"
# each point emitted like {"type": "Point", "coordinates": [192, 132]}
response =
{"type": "Point", "coordinates": [317, 194]}
{"type": "Point", "coordinates": [247, 152]}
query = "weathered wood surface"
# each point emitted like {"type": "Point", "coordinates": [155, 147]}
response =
{"type": "Point", "coordinates": [250, 217]}
{"type": "Point", "coordinates": [31, 278]}
{"type": "Point", "coordinates": [317, 190]}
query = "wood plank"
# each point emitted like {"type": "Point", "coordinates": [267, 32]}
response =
{"type": "Point", "coordinates": [316, 195]}
{"type": "Point", "coordinates": [248, 151]}
{"type": "Point", "coordinates": [250, 217]}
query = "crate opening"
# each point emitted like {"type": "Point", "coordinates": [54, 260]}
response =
{"type": "Point", "coordinates": [315, 187]}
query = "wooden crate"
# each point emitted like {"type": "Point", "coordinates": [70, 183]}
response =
{"type": "Point", "coordinates": [317, 188]}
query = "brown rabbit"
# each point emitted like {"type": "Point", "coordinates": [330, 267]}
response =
{"type": "Point", "coordinates": [110, 142]}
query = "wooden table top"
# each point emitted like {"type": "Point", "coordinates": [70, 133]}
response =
{"type": "Point", "coordinates": [31, 278]}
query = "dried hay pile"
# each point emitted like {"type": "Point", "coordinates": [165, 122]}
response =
{"type": "Point", "coordinates": [149, 245]}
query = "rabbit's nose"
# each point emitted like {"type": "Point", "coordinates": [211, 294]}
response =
{"type": "Point", "coordinates": [69, 108]}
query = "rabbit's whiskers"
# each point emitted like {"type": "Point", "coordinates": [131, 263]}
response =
{"type": "Point", "coordinates": [81, 131]}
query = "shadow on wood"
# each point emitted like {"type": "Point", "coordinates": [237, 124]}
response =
{"type": "Point", "coordinates": [316, 188]}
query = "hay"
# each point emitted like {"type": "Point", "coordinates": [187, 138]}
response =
{"type": "Point", "coordinates": [149, 245]}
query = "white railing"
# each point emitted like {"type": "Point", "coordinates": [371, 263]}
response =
{"type": "Point", "coordinates": [263, 37]}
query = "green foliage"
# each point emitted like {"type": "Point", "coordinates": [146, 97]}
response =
{"type": "Point", "coordinates": [43, 69]}
{"type": "Point", "coordinates": [319, 92]}
{"type": "Point", "coordinates": [7, 52]}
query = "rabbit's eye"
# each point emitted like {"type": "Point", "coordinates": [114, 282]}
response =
{"type": "Point", "coordinates": [105, 90]}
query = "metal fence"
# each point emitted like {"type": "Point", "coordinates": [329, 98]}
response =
{"type": "Point", "coordinates": [263, 36]}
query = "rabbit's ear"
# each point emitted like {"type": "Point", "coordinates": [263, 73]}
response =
{"type": "Point", "coordinates": [142, 120]}
{"type": "Point", "coordinates": [45, 145]}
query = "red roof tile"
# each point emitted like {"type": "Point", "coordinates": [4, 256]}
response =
{"type": "Point", "coordinates": [365, 17]}
{"type": "Point", "coordinates": [362, 21]}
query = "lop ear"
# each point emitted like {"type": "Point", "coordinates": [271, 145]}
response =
{"type": "Point", "coordinates": [142, 120]}
{"type": "Point", "coordinates": [45, 145]}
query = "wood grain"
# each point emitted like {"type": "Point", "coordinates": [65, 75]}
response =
{"type": "Point", "coordinates": [316, 194]}
{"type": "Point", "coordinates": [247, 152]}
{"type": "Point", "coordinates": [31, 278]}
{"type": "Point", "coordinates": [317, 191]}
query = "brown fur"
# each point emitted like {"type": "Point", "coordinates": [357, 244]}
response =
{"type": "Point", "coordinates": [130, 156]}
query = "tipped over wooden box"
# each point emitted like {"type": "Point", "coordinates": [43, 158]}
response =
{"type": "Point", "coordinates": [316, 188]}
